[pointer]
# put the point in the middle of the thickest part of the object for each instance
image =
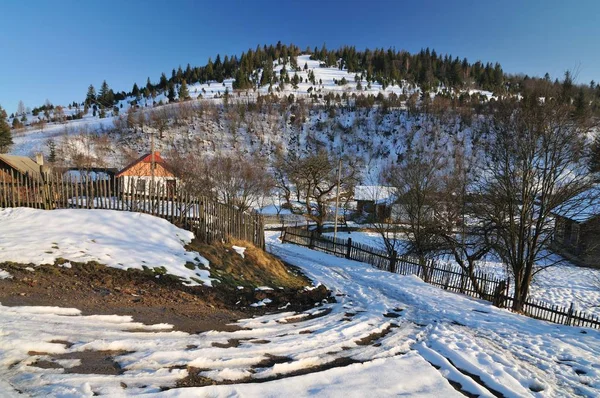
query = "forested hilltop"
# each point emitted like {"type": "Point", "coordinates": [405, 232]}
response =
{"type": "Point", "coordinates": [256, 68]}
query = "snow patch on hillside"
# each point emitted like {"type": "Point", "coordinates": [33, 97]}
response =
{"type": "Point", "coordinates": [117, 239]}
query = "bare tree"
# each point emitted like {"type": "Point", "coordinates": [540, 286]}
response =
{"type": "Point", "coordinates": [316, 177]}
{"type": "Point", "coordinates": [418, 181]}
{"type": "Point", "coordinates": [536, 164]}
{"type": "Point", "coordinates": [463, 231]}
{"type": "Point", "coordinates": [240, 181]}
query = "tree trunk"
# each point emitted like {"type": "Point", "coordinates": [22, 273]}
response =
{"type": "Point", "coordinates": [520, 295]}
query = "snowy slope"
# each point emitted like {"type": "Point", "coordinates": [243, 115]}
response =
{"type": "Point", "coordinates": [117, 239]}
{"type": "Point", "coordinates": [34, 139]}
{"type": "Point", "coordinates": [561, 284]}
{"type": "Point", "coordinates": [405, 337]}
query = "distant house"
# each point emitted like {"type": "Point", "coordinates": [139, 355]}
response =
{"type": "Point", "coordinates": [577, 229]}
{"type": "Point", "coordinates": [375, 200]}
{"type": "Point", "coordinates": [137, 176]}
{"type": "Point", "coordinates": [20, 167]}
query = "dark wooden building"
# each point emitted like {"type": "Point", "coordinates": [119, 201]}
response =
{"type": "Point", "coordinates": [374, 200]}
{"type": "Point", "coordinates": [577, 229]}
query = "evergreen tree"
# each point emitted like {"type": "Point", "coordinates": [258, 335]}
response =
{"type": "Point", "coordinates": [135, 91]}
{"type": "Point", "coordinates": [184, 93]}
{"type": "Point", "coordinates": [90, 98]}
{"type": "Point", "coordinates": [5, 135]}
{"type": "Point", "coordinates": [295, 81]}
{"type": "Point", "coordinates": [163, 84]}
{"type": "Point", "coordinates": [580, 104]}
{"type": "Point", "coordinates": [171, 93]}
{"type": "Point", "coordinates": [106, 96]}
{"type": "Point", "coordinates": [567, 87]}
{"type": "Point", "coordinates": [209, 70]}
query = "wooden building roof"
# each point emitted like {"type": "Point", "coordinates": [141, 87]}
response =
{"type": "Point", "coordinates": [23, 165]}
{"type": "Point", "coordinates": [134, 169]}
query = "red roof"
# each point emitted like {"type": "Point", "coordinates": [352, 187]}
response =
{"type": "Point", "coordinates": [147, 158]}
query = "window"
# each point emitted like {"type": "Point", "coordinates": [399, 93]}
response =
{"type": "Point", "coordinates": [140, 185]}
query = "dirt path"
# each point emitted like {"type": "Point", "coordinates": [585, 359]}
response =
{"type": "Point", "coordinates": [97, 289]}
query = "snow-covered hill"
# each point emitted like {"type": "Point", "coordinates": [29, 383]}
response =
{"type": "Point", "coordinates": [373, 134]}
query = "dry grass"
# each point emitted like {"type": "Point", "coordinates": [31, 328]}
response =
{"type": "Point", "coordinates": [257, 268]}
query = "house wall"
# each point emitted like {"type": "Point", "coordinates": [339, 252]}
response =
{"type": "Point", "coordinates": [579, 243]}
{"type": "Point", "coordinates": [365, 205]}
{"type": "Point", "coordinates": [590, 243]}
{"type": "Point", "coordinates": [134, 184]}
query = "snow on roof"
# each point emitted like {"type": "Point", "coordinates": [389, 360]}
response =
{"type": "Point", "coordinates": [375, 193]}
{"type": "Point", "coordinates": [87, 175]}
{"type": "Point", "coordinates": [582, 207]}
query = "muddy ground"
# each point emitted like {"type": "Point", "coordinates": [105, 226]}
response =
{"type": "Point", "coordinates": [96, 289]}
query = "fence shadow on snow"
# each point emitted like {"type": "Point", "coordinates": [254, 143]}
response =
{"type": "Point", "coordinates": [446, 277]}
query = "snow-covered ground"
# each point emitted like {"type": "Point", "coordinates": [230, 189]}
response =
{"type": "Point", "coordinates": [560, 285]}
{"type": "Point", "coordinates": [403, 337]}
{"type": "Point", "coordinates": [115, 239]}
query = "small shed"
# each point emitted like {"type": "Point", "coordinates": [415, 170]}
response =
{"type": "Point", "coordinates": [137, 176]}
{"type": "Point", "coordinates": [577, 229]}
{"type": "Point", "coordinates": [375, 200]}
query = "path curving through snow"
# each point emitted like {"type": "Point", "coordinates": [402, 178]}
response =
{"type": "Point", "coordinates": [386, 335]}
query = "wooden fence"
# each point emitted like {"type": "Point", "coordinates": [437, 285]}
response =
{"type": "Point", "coordinates": [208, 220]}
{"type": "Point", "coordinates": [446, 276]}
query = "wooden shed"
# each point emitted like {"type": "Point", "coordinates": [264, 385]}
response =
{"type": "Point", "coordinates": [374, 200]}
{"type": "Point", "coordinates": [577, 229]}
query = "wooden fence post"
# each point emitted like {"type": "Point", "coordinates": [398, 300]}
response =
{"type": "Point", "coordinates": [311, 242]}
{"type": "Point", "coordinates": [570, 314]}
{"type": "Point", "coordinates": [393, 261]}
{"type": "Point", "coordinates": [348, 248]}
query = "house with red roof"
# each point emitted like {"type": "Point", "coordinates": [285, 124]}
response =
{"type": "Point", "coordinates": [137, 177]}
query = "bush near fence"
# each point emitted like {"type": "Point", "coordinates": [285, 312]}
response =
{"type": "Point", "coordinates": [446, 277]}
{"type": "Point", "coordinates": [208, 220]}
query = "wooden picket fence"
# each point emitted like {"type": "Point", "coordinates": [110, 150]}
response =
{"type": "Point", "coordinates": [208, 220]}
{"type": "Point", "coordinates": [447, 277]}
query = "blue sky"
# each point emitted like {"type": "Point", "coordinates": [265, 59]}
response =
{"type": "Point", "coordinates": [54, 50]}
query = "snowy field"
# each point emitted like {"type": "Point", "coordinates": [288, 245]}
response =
{"type": "Point", "coordinates": [561, 285]}
{"type": "Point", "coordinates": [117, 239]}
{"type": "Point", "coordinates": [399, 336]}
